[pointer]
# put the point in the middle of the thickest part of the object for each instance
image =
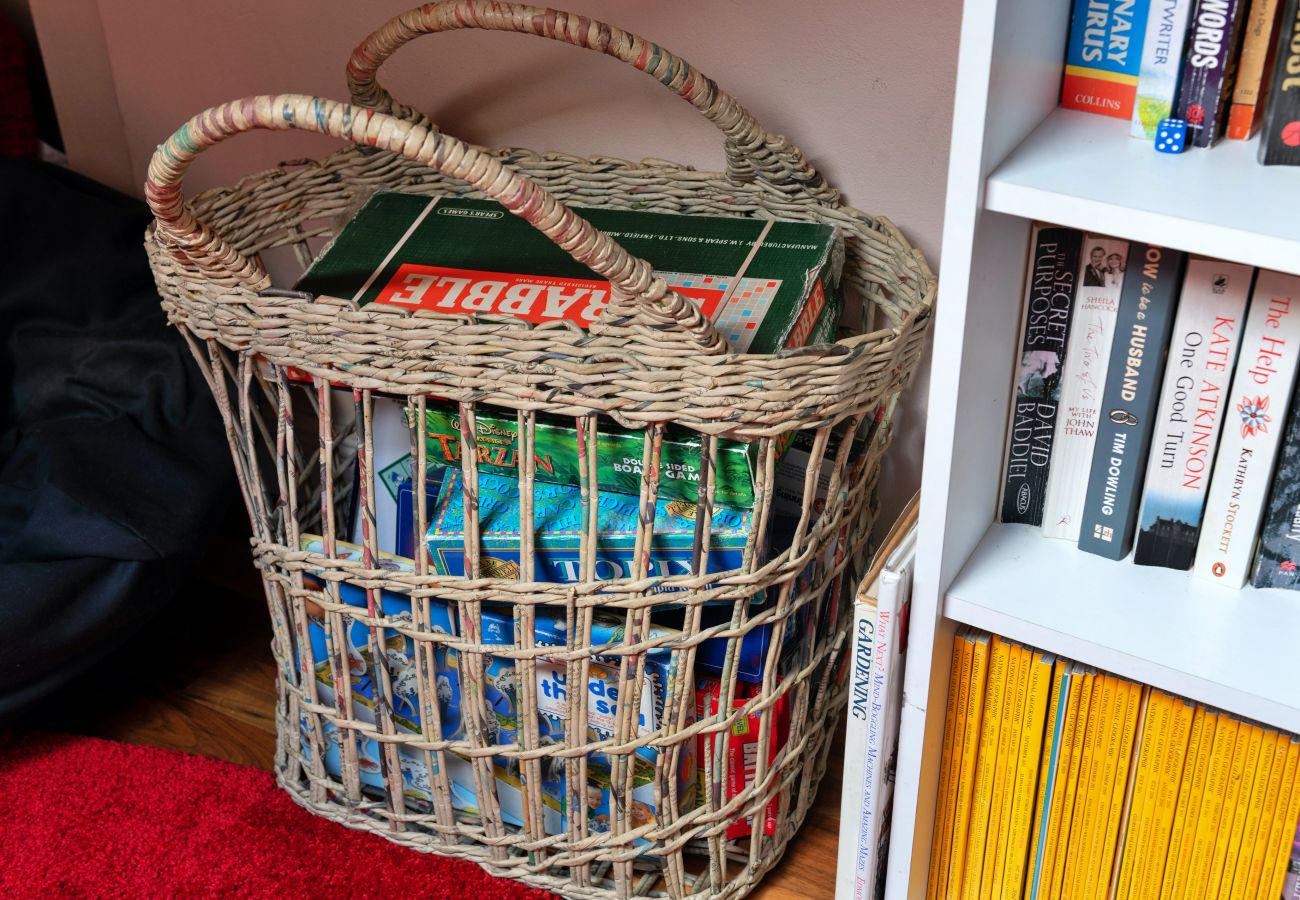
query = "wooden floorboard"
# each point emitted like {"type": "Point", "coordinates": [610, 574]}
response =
{"type": "Point", "coordinates": [204, 682]}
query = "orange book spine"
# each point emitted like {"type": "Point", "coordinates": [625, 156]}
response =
{"type": "Point", "coordinates": [966, 772]}
{"type": "Point", "coordinates": [954, 717]}
{"type": "Point", "coordinates": [1236, 885]}
{"type": "Point", "coordinates": [1184, 827]}
{"type": "Point", "coordinates": [1064, 835]}
{"type": "Point", "coordinates": [1004, 664]}
{"type": "Point", "coordinates": [1120, 768]}
{"type": "Point", "coordinates": [1284, 827]}
{"type": "Point", "coordinates": [1208, 821]}
{"type": "Point", "coordinates": [1170, 775]}
{"type": "Point", "coordinates": [1228, 838]}
{"type": "Point", "coordinates": [1272, 797]}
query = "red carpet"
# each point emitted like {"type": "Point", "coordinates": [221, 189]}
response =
{"type": "Point", "coordinates": [84, 817]}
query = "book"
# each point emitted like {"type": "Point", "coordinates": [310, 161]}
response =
{"type": "Point", "coordinates": [1044, 337]}
{"type": "Point", "coordinates": [1000, 819]}
{"type": "Point", "coordinates": [1133, 377]}
{"type": "Point", "coordinates": [1282, 864]}
{"type": "Point", "coordinates": [1255, 69]}
{"type": "Point", "coordinates": [763, 283]}
{"type": "Point", "coordinates": [1182, 714]}
{"type": "Point", "coordinates": [954, 718]}
{"type": "Point", "coordinates": [1065, 835]}
{"type": "Point", "coordinates": [1104, 56]}
{"type": "Point", "coordinates": [1162, 65]}
{"type": "Point", "coordinates": [1193, 406]}
{"type": "Point", "coordinates": [1076, 849]}
{"type": "Point", "coordinates": [1189, 798]}
{"type": "Point", "coordinates": [1279, 140]}
{"type": "Point", "coordinates": [1057, 710]}
{"type": "Point", "coordinates": [1213, 807]}
{"type": "Point", "coordinates": [1003, 670]}
{"type": "Point", "coordinates": [1028, 774]}
{"type": "Point", "coordinates": [966, 773]}
{"type": "Point", "coordinates": [1120, 867]}
{"type": "Point", "coordinates": [1277, 562]}
{"type": "Point", "coordinates": [1243, 468]}
{"type": "Point", "coordinates": [1155, 741]}
{"type": "Point", "coordinates": [1083, 378]}
{"type": "Point", "coordinates": [1269, 812]}
{"type": "Point", "coordinates": [1228, 837]}
{"type": "Point", "coordinates": [1098, 804]}
{"type": "Point", "coordinates": [1208, 68]}
{"type": "Point", "coordinates": [1235, 886]}
{"type": "Point", "coordinates": [1119, 749]}
{"type": "Point", "coordinates": [871, 731]}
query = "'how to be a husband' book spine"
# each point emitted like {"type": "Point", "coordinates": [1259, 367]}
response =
{"type": "Point", "coordinates": [1133, 378]}
{"type": "Point", "coordinates": [1261, 391]}
{"type": "Point", "coordinates": [1049, 308]}
{"type": "Point", "coordinates": [1193, 405]}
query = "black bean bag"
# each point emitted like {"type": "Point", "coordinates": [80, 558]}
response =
{"type": "Point", "coordinates": [113, 462]}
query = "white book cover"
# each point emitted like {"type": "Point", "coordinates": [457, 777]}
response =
{"type": "Point", "coordinates": [1258, 401]}
{"type": "Point", "coordinates": [871, 736]}
{"type": "Point", "coordinates": [1096, 307]}
{"type": "Point", "coordinates": [1162, 65]}
{"type": "Point", "coordinates": [391, 465]}
{"type": "Point", "coordinates": [1193, 406]}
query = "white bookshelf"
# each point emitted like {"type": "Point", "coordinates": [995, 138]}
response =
{"type": "Point", "coordinates": [1015, 158]}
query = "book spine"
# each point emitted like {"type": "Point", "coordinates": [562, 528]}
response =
{"type": "Point", "coordinates": [1119, 745]}
{"type": "Point", "coordinates": [1049, 306]}
{"type": "Point", "coordinates": [1261, 391]}
{"type": "Point", "coordinates": [1193, 405]}
{"type": "Point", "coordinates": [1162, 65]}
{"type": "Point", "coordinates": [1277, 563]}
{"type": "Point", "coordinates": [855, 810]}
{"type": "Point", "coordinates": [1260, 778]}
{"type": "Point", "coordinates": [1228, 837]}
{"type": "Point", "coordinates": [1028, 773]}
{"type": "Point", "coordinates": [1282, 864]}
{"type": "Point", "coordinates": [1119, 869]}
{"type": "Point", "coordinates": [1104, 56]}
{"type": "Point", "coordinates": [1100, 282]}
{"type": "Point", "coordinates": [1279, 142]}
{"type": "Point", "coordinates": [1004, 665]}
{"type": "Point", "coordinates": [954, 719]}
{"type": "Point", "coordinates": [1139, 818]}
{"type": "Point", "coordinates": [1076, 849]}
{"type": "Point", "coordinates": [1209, 67]}
{"type": "Point", "coordinates": [1098, 797]}
{"type": "Point", "coordinates": [1056, 709]}
{"type": "Point", "coordinates": [1268, 813]}
{"type": "Point", "coordinates": [1253, 73]}
{"type": "Point", "coordinates": [1059, 799]}
{"type": "Point", "coordinates": [1136, 368]}
{"type": "Point", "coordinates": [1183, 805]}
{"type": "Point", "coordinates": [1000, 824]}
{"type": "Point", "coordinates": [1213, 806]}
{"type": "Point", "coordinates": [1065, 836]}
{"type": "Point", "coordinates": [1171, 774]}
{"type": "Point", "coordinates": [966, 774]}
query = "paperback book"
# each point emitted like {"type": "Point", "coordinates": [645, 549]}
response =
{"type": "Point", "coordinates": [1279, 143]}
{"type": "Point", "coordinates": [1193, 406]}
{"type": "Point", "coordinates": [1104, 56]}
{"type": "Point", "coordinates": [1049, 308]}
{"type": "Point", "coordinates": [1278, 561]}
{"type": "Point", "coordinates": [1083, 378]}
{"type": "Point", "coordinates": [1243, 469]}
{"type": "Point", "coordinates": [1254, 71]}
{"type": "Point", "coordinates": [1209, 67]}
{"type": "Point", "coordinates": [1136, 368]}
{"type": "Point", "coordinates": [1162, 65]}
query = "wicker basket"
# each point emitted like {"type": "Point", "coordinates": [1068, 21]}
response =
{"type": "Point", "coordinates": [651, 361]}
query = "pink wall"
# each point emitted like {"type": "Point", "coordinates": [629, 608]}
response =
{"type": "Point", "coordinates": [864, 88]}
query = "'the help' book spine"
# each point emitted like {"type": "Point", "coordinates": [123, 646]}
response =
{"type": "Point", "coordinates": [1137, 361]}
{"type": "Point", "coordinates": [1261, 391]}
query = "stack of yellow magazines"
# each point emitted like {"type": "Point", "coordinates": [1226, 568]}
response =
{"type": "Point", "coordinates": [1059, 781]}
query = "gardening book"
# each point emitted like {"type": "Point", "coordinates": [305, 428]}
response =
{"type": "Point", "coordinates": [1255, 70]}
{"type": "Point", "coordinates": [1104, 56]}
{"type": "Point", "coordinates": [1209, 67]}
{"type": "Point", "coordinates": [1162, 65]}
{"type": "Point", "coordinates": [1045, 331]}
{"type": "Point", "coordinates": [1279, 143]}
{"type": "Point", "coordinates": [1193, 405]}
{"type": "Point", "coordinates": [763, 283]}
{"type": "Point", "coordinates": [1083, 378]}
{"type": "Point", "coordinates": [1261, 393]}
{"type": "Point", "coordinates": [1137, 362]}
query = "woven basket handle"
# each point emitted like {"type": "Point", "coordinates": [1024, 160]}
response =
{"type": "Point", "coordinates": [642, 308]}
{"type": "Point", "coordinates": [751, 150]}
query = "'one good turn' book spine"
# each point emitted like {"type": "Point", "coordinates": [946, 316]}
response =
{"type": "Point", "coordinates": [1193, 405]}
{"type": "Point", "coordinates": [1049, 305]}
{"type": "Point", "coordinates": [1101, 277]}
{"type": "Point", "coordinates": [1279, 144]}
{"type": "Point", "coordinates": [1209, 67]}
{"type": "Point", "coordinates": [1137, 363]}
{"type": "Point", "coordinates": [1261, 390]}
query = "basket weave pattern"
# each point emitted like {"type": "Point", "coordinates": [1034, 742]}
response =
{"type": "Point", "coordinates": [650, 361]}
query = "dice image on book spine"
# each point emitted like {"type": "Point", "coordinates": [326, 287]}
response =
{"type": "Point", "coordinates": [1243, 469]}
{"type": "Point", "coordinates": [1162, 65]}
{"type": "Point", "coordinates": [1049, 308]}
{"type": "Point", "coordinates": [1193, 404]}
{"type": "Point", "coordinates": [1279, 145]}
{"type": "Point", "coordinates": [1137, 360]}
{"type": "Point", "coordinates": [1278, 562]}
{"type": "Point", "coordinates": [1101, 276]}
{"type": "Point", "coordinates": [1104, 56]}
{"type": "Point", "coordinates": [1208, 68]}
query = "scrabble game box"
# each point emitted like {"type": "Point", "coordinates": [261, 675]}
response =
{"type": "Point", "coordinates": [765, 284]}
